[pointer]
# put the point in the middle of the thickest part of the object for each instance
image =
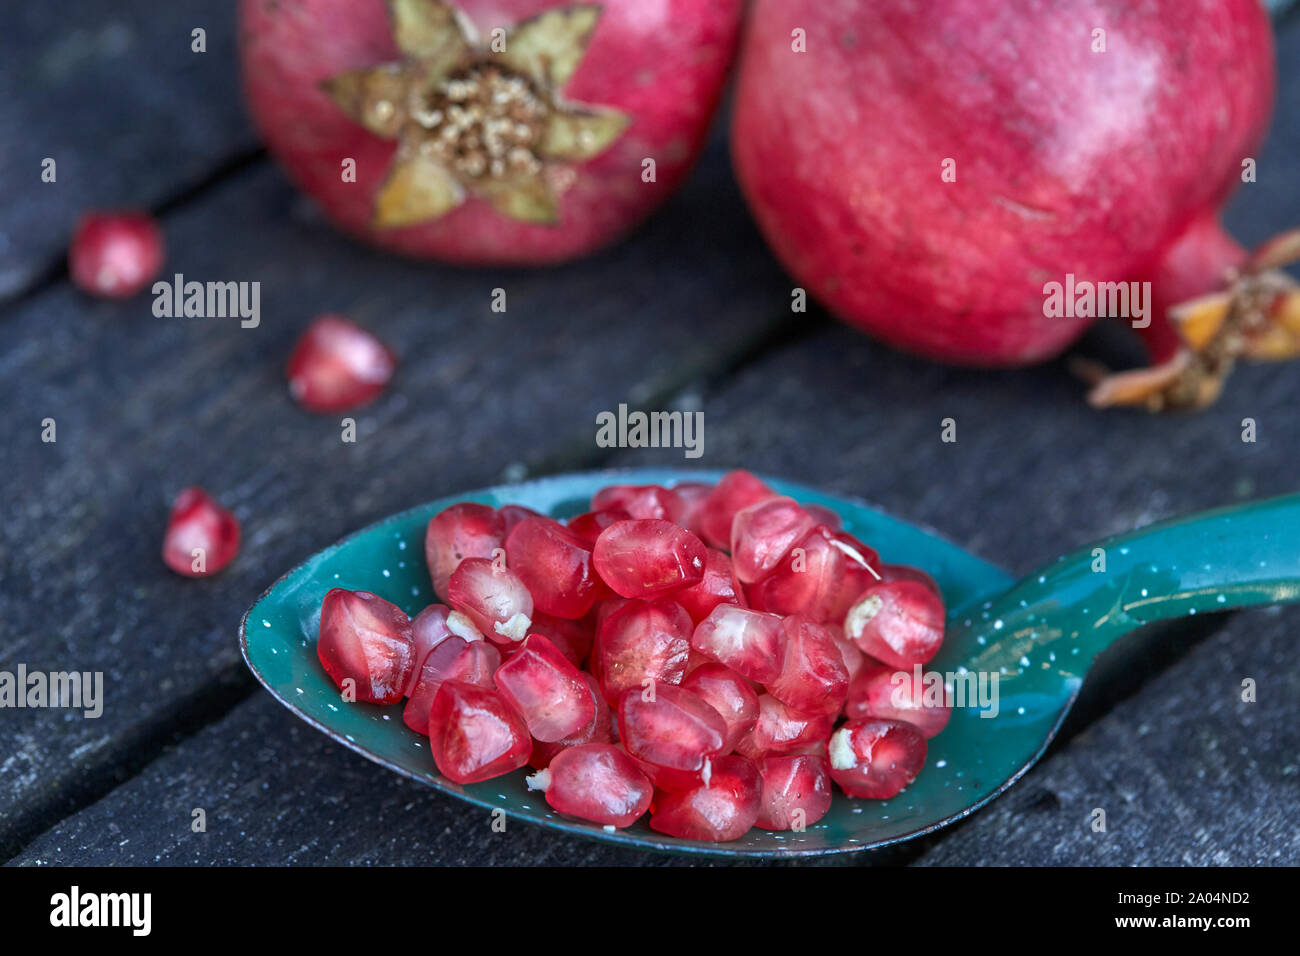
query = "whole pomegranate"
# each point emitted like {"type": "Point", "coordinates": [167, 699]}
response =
{"type": "Point", "coordinates": [489, 131]}
{"type": "Point", "coordinates": [928, 170]}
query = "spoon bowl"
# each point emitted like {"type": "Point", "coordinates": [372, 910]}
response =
{"type": "Point", "coordinates": [1014, 654]}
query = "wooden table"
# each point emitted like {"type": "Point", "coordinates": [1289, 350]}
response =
{"type": "Point", "coordinates": [693, 312]}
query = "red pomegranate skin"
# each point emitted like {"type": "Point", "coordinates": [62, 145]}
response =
{"type": "Point", "coordinates": [662, 62]}
{"type": "Point", "coordinates": [1066, 160]}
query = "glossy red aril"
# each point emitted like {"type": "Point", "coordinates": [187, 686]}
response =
{"type": "Point", "coordinates": [763, 533]}
{"type": "Point", "coordinates": [368, 641]}
{"type": "Point", "coordinates": [892, 694]}
{"type": "Point", "coordinates": [115, 254]}
{"type": "Point", "coordinates": [722, 809]}
{"type": "Point", "coordinates": [642, 640]}
{"type": "Point", "coordinates": [573, 638]}
{"type": "Point", "coordinates": [746, 641]}
{"type": "Point", "coordinates": [511, 515]}
{"type": "Point", "coordinates": [590, 524]}
{"type": "Point", "coordinates": [807, 582]}
{"type": "Point", "coordinates": [596, 782]}
{"type": "Point", "coordinates": [648, 558]}
{"type": "Point", "coordinates": [474, 734]}
{"type": "Point", "coordinates": [465, 530]}
{"type": "Point", "coordinates": [493, 597]}
{"type": "Point", "coordinates": [875, 758]}
{"type": "Point", "coordinates": [729, 694]}
{"type": "Point", "coordinates": [337, 365]}
{"type": "Point", "coordinates": [813, 678]}
{"type": "Point", "coordinates": [670, 727]}
{"type": "Point", "coordinates": [599, 731]}
{"type": "Point", "coordinates": [795, 791]}
{"type": "Point", "coordinates": [201, 537]}
{"type": "Point", "coordinates": [473, 662]}
{"type": "Point", "coordinates": [781, 730]}
{"type": "Point", "coordinates": [734, 491]}
{"type": "Point", "coordinates": [693, 494]}
{"type": "Point", "coordinates": [854, 659]}
{"type": "Point", "coordinates": [428, 630]}
{"type": "Point", "coordinates": [555, 565]}
{"type": "Point", "coordinates": [547, 690]}
{"type": "Point", "coordinates": [641, 501]}
{"type": "Point", "coordinates": [718, 586]}
{"type": "Point", "coordinates": [898, 622]}
{"type": "Point", "coordinates": [906, 572]}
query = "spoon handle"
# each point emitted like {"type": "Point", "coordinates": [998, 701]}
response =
{"type": "Point", "coordinates": [1232, 557]}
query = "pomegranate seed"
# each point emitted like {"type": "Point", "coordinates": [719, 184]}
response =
{"type": "Point", "coordinates": [675, 730]}
{"type": "Point", "coordinates": [737, 489]}
{"type": "Point", "coordinates": [807, 582]}
{"type": "Point", "coordinates": [511, 515]}
{"type": "Point", "coordinates": [643, 640]}
{"type": "Point", "coordinates": [897, 622]}
{"type": "Point", "coordinates": [466, 530]}
{"type": "Point", "coordinates": [854, 659]}
{"type": "Point", "coordinates": [641, 501]}
{"type": "Point", "coordinates": [648, 558]}
{"type": "Point", "coordinates": [825, 516]}
{"type": "Point", "coordinates": [888, 693]}
{"type": "Point", "coordinates": [746, 641]}
{"type": "Point", "coordinates": [474, 735]}
{"type": "Point", "coordinates": [493, 598]}
{"type": "Point", "coordinates": [875, 758]}
{"type": "Point", "coordinates": [573, 638]}
{"type": "Point", "coordinates": [781, 730]}
{"type": "Point", "coordinates": [599, 731]}
{"type": "Point", "coordinates": [665, 778]}
{"type": "Point", "coordinates": [428, 630]}
{"type": "Point", "coordinates": [718, 586]}
{"type": "Point", "coordinates": [905, 572]}
{"type": "Point", "coordinates": [795, 791]}
{"type": "Point", "coordinates": [813, 678]}
{"type": "Point", "coordinates": [590, 524]}
{"type": "Point", "coordinates": [693, 494]}
{"type": "Point", "coordinates": [555, 566]}
{"type": "Point", "coordinates": [861, 570]}
{"type": "Point", "coordinates": [202, 537]}
{"type": "Point", "coordinates": [596, 782]}
{"type": "Point", "coordinates": [115, 254]}
{"type": "Point", "coordinates": [723, 809]}
{"type": "Point", "coordinates": [454, 659]}
{"type": "Point", "coordinates": [365, 639]}
{"type": "Point", "coordinates": [729, 694]}
{"type": "Point", "coordinates": [338, 365]}
{"type": "Point", "coordinates": [548, 691]}
{"type": "Point", "coordinates": [763, 533]}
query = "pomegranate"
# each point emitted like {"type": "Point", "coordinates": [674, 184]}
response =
{"type": "Point", "coordinates": [555, 565]}
{"type": "Point", "coordinates": [596, 782]}
{"type": "Point", "coordinates": [474, 734]}
{"type": "Point", "coordinates": [671, 727]}
{"type": "Point", "coordinates": [898, 622]}
{"type": "Point", "coordinates": [729, 694]}
{"type": "Point", "coordinates": [367, 641]}
{"type": "Point", "coordinates": [547, 691]}
{"type": "Point", "coordinates": [883, 691]}
{"type": "Point", "coordinates": [926, 170]}
{"type": "Point", "coordinates": [642, 640]}
{"type": "Point", "coordinates": [875, 758]}
{"type": "Point", "coordinates": [454, 659]}
{"type": "Point", "coordinates": [783, 730]}
{"type": "Point", "coordinates": [202, 537]}
{"type": "Point", "coordinates": [338, 365]}
{"type": "Point", "coordinates": [648, 557]}
{"type": "Point", "coordinates": [749, 642]}
{"type": "Point", "coordinates": [115, 254]}
{"type": "Point", "coordinates": [493, 597]}
{"type": "Point", "coordinates": [795, 793]}
{"type": "Point", "coordinates": [717, 586]}
{"type": "Point", "coordinates": [465, 530]}
{"type": "Point", "coordinates": [488, 131]}
{"type": "Point", "coordinates": [722, 808]}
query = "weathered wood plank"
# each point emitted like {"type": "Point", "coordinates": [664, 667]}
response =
{"type": "Point", "coordinates": [115, 96]}
{"type": "Point", "coordinates": [145, 406]}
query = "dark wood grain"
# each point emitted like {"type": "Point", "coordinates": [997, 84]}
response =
{"type": "Point", "coordinates": [114, 94]}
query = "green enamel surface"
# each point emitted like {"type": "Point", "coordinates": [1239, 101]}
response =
{"type": "Point", "coordinates": [1038, 637]}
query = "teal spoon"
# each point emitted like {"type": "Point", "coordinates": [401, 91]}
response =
{"type": "Point", "coordinates": [1037, 637]}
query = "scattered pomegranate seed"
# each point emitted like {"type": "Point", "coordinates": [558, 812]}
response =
{"type": "Point", "coordinates": [735, 490]}
{"type": "Point", "coordinates": [365, 639]}
{"type": "Point", "coordinates": [641, 501]}
{"type": "Point", "coordinates": [642, 640]}
{"type": "Point", "coordinates": [599, 731]}
{"type": "Point", "coordinates": [808, 581]}
{"type": "Point", "coordinates": [511, 515]}
{"type": "Point", "coordinates": [746, 641]}
{"type": "Point", "coordinates": [718, 586]}
{"type": "Point", "coordinates": [813, 677]}
{"type": "Point", "coordinates": [338, 365]}
{"type": "Point", "coordinates": [474, 734]}
{"type": "Point", "coordinates": [823, 515]}
{"type": "Point", "coordinates": [782, 730]}
{"type": "Point", "coordinates": [723, 809]}
{"type": "Point", "coordinates": [555, 565]}
{"type": "Point", "coordinates": [428, 630]}
{"type": "Point", "coordinates": [875, 758]}
{"type": "Point", "coordinates": [861, 570]}
{"type": "Point", "coordinates": [795, 791]}
{"type": "Point", "coordinates": [670, 727]}
{"type": "Point", "coordinates": [115, 254]}
{"type": "Point", "coordinates": [202, 537]}
{"type": "Point", "coordinates": [729, 694]}
{"type": "Point", "coordinates": [466, 530]}
{"type": "Point", "coordinates": [590, 524]}
{"type": "Point", "coordinates": [905, 572]}
{"type": "Point", "coordinates": [897, 622]}
{"type": "Point", "coordinates": [887, 693]}
{"type": "Point", "coordinates": [493, 597]}
{"type": "Point", "coordinates": [546, 690]}
{"type": "Point", "coordinates": [763, 533]}
{"type": "Point", "coordinates": [596, 782]}
{"type": "Point", "coordinates": [693, 494]}
{"type": "Point", "coordinates": [454, 659]}
{"type": "Point", "coordinates": [648, 558]}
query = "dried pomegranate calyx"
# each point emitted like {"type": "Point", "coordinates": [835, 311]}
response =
{"type": "Point", "coordinates": [472, 118]}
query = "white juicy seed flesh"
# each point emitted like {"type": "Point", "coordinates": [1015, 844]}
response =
{"type": "Point", "coordinates": [463, 627]}
{"type": "Point", "coordinates": [860, 614]}
{"type": "Point", "coordinates": [516, 628]}
{"type": "Point", "coordinates": [841, 750]}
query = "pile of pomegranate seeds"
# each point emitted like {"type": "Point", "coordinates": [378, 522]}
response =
{"type": "Point", "coordinates": [714, 655]}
